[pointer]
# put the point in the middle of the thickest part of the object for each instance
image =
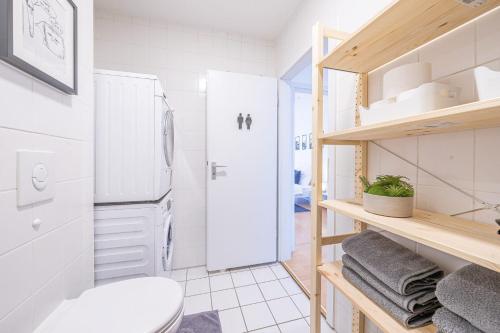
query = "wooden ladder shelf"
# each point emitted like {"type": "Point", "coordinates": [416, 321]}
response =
{"type": "Point", "coordinates": [402, 27]}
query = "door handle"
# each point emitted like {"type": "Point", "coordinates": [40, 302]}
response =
{"type": "Point", "coordinates": [214, 167]}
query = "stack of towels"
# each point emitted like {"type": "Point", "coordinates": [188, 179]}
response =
{"type": "Point", "coordinates": [471, 301]}
{"type": "Point", "coordinates": [400, 281]}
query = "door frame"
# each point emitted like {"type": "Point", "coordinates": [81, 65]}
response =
{"type": "Point", "coordinates": [286, 230]}
{"type": "Point", "coordinates": [286, 219]}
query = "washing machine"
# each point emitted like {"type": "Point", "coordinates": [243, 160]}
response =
{"type": "Point", "coordinates": [133, 240]}
{"type": "Point", "coordinates": [164, 243]}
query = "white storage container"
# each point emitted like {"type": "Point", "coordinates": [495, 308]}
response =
{"type": "Point", "coordinates": [427, 97]}
{"type": "Point", "coordinates": [487, 82]}
{"type": "Point", "coordinates": [406, 77]}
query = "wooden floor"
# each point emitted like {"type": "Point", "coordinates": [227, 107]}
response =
{"type": "Point", "coordinates": [300, 263]}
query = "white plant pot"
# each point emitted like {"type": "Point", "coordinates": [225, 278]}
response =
{"type": "Point", "coordinates": [388, 206]}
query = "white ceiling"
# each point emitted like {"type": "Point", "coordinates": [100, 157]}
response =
{"type": "Point", "coordinates": [255, 18]}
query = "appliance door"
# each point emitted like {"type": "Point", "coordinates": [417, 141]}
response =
{"type": "Point", "coordinates": [167, 244]}
{"type": "Point", "coordinates": [168, 135]}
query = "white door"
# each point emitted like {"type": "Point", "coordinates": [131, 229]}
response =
{"type": "Point", "coordinates": [241, 170]}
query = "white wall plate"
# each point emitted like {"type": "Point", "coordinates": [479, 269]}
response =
{"type": "Point", "coordinates": [35, 176]}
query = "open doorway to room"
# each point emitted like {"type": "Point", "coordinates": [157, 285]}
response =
{"type": "Point", "coordinates": [299, 265]}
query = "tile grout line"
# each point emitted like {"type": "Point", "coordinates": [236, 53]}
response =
{"type": "Point", "coordinates": [239, 304]}
{"type": "Point", "coordinates": [267, 305]}
{"type": "Point", "coordinates": [210, 290]}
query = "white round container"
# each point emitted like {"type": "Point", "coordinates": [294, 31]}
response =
{"type": "Point", "coordinates": [406, 77]}
{"type": "Point", "coordinates": [388, 206]}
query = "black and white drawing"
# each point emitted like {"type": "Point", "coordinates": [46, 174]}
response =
{"type": "Point", "coordinates": [42, 24]}
{"type": "Point", "coordinates": [40, 38]}
{"type": "Point", "coordinates": [304, 142]}
{"type": "Point", "coordinates": [310, 141]}
{"type": "Point", "coordinates": [297, 143]}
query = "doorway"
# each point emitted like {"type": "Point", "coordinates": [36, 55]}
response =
{"type": "Point", "coordinates": [299, 263]}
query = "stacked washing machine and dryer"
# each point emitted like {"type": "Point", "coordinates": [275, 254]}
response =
{"type": "Point", "coordinates": [133, 174]}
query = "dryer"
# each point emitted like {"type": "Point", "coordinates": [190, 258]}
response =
{"type": "Point", "coordinates": [134, 138]}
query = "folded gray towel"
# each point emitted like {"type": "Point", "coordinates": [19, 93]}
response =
{"type": "Point", "coordinates": [406, 318]}
{"type": "Point", "coordinates": [448, 322]}
{"type": "Point", "coordinates": [473, 293]}
{"type": "Point", "coordinates": [417, 302]}
{"type": "Point", "coordinates": [402, 270]}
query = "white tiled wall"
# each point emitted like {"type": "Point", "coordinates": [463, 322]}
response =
{"type": "Point", "coordinates": [40, 268]}
{"type": "Point", "coordinates": [467, 159]}
{"type": "Point", "coordinates": [180, 56]}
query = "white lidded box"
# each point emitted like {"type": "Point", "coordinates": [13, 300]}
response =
{"type": "Point", "coordinates": [406, 77]}
{"type": "Point", "coordinates": [487, 83]}
{"type": "Point", "coordinates": [427, 97]}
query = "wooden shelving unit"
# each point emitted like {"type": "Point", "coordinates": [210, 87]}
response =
{"type": "Point", "coordinates": [333, 273]}
{"type": "Point", "coordinates": [402, 27]}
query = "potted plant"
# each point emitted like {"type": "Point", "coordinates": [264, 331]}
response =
{"type": "Point", "coordinates": [388, 196]}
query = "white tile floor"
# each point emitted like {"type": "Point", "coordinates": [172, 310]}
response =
{"type": "Point", "coordinates": [262, 299]}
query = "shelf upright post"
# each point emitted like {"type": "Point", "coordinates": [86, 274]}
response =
{"type": "Point", "coordinates": [361, 169]}
{"type": "Point", "coordinates": [317, 175]}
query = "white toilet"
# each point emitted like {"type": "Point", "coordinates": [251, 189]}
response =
{"type": "Point", "coordinates": [142, 305]}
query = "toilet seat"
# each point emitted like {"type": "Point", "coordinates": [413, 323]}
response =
{"type": "Point", "coordinates": [143, 305]}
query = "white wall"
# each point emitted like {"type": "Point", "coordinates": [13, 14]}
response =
{"type": "Point", "coordinates": [295, 40]}
{"type": "Point", "coordinates": [180, 56]}
{"type": "Point", "coordinates": [468, 159]}
{"type": "Point", "coordinates": [40, 268]}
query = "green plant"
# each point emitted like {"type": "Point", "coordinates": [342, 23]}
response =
{"type": "Point", "coordinates": [389, 186]}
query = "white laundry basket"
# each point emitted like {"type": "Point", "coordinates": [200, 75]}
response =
{"type": "Point", "coordinates": [406, 77]}
{"type": "Point", "coordinates": [487, 82]}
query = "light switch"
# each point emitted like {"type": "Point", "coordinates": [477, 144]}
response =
{"type": "Point", "coordinates": [35, 176]}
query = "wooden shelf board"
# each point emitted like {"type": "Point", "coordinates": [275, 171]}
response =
{"type": "Point", "coordinates": [402, 27]}
{"type": "Point", "coordinates": [333, 273]}
{"type": "Point", "coordinates": [469, 240]}
{"type": "Point", "coordinates": [481, 114]}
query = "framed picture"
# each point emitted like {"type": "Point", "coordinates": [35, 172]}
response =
{"type": "Point", "coordinates": [297, 143]}
{"type": "Point", "coordinates": [304, 142]}
{"type": "Point", "coordinates": [310, 141]}
{"type": "Point", "coordinates": [39, 37]}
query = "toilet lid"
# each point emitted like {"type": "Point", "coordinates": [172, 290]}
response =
{"type": "Point", "coordinates": [143, 305]}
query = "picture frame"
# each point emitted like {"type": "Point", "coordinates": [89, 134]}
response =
{"type": "Point", "coordinates": [304, 142]}
{"type": "Point", "coordinates": [297, 143]}
{"type": "Point", "coordinates": [310, 141]}
{"type": "Point", "coordinates": [40, 38]}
